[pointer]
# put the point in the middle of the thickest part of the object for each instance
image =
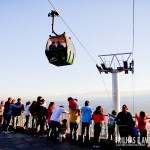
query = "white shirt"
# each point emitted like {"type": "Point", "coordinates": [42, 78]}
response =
{"type": "Point", "coordinates": [26, 111]}
{"type": "Point", "coordinates": [57, 113]}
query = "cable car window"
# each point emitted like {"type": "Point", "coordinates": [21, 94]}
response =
{"type": "Point", "coordinates": [54, 43]}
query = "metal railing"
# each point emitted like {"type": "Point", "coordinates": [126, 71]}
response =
{"type": "Point", "coordinates": [104, 131]}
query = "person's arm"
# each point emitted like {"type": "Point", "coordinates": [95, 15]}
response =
{"type": "Point", "coordinates": [102, 117]}
{"type": "Point", "coordinates": [66, 112]}
{"type": "Point", "coordinates": [79, 112]}
{"type": "Point", "coordinates": [118, 119]}
{"type": "Point", "coordinates": [137, 116]}
{"type": "Point", "coordinates": [15, 106]}
{"type": "Point", "coordinates": [92, 116]}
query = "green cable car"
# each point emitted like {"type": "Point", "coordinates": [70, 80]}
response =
{"type": "Point", "coordinates": [60, 50]}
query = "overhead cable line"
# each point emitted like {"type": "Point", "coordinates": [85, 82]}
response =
{"type": "Point", "coordinates": [74, 34]}
{"type": "Point", "coordinates": [84, 49]}
{"type": "Point", "coordinates": [133, 56]}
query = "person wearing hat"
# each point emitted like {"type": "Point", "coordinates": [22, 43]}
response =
{"type": "Point", "coordinates": [125, 123]}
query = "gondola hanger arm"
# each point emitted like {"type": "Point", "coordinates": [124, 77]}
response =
{"type": "Point", "coordinates": [53, 14]}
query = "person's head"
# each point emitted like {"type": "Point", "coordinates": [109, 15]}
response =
{"type": "Point", "coordinates": [52, 103]}
{"type": "Point", "coordinates": [87, 103]}
{"type": "Point", "coordinates": [142, 114]}
{"type": "Point", "coordinates": [39, 98]}
{"type": "Point", "coordinates": [124, 108]}
{"type": "Point", "coordinates": [114, 112]}
{"type": "Point", "coordinates": [13, 101]}
{"type": "Point", "coordinates": [69, 98]}
{"type": "Point", "coordinates": [42, 101]}
{"type": "Point", "coordinates": [19, 100]}
{"type": "Point", "coordinates": [53, 42]}
{"type": "Point", "coordinates": [9, 99]}
{"type": "Point", "coordinates": [58, 42]}
{"type": "Point", "coordinates": [2, 102]}
{"type": "Point", "coordinates": [28, 103]}
{"type": "Point", "coordinates": [76, 99]}
{"type": "Point", "coordinates": [64, 121]}
{"type": "Point", "coordinates": [99, 110]}
{"type": "Point", "coordinates": [61, 106]}
{"type": "Point", "coordinates": [33, 103]}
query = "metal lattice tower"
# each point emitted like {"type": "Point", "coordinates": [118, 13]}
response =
{"type": "Point", "coordinates": [116, 63]}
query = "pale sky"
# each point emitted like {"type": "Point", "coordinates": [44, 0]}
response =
{"type": "Point", "coordinates": [102, 26]}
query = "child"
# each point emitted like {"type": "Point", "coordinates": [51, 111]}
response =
{"type": "Point", "coordinates": [135, 132]}
{"type": "Point", "coordinates": [142, 118]}
{"type": "Point", "coordinates": [63, 129]}
{"type": "Point", "coordinates": [111, 125]}
{"type": "Point", "coordinates": [72, 103]}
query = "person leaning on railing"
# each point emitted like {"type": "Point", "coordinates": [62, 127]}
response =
{"type": "Point", "coordinates": [142, 120]}
{"type": "Point", "coordinates": [98, 118]}
{"type": "Point", "coordinates": [9, 114]}
{"type": "Point", "coordinates": [86, 119]}
{"type": "Point", "coordinates": [74, 121]}
{"type": "Point", "coordinates": [50, 110]}
{"type": "Point", "coordinates": [55, 121]}
{"type": "Point", "coordinates": [125, 123]}
{"type": "Point", "coordinates": [32, 110]}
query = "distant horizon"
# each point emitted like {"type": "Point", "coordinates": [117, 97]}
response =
{"type": "Point", "coordinates": [27, 73]}
{"type": "Point", "coordinates": [85, 95]}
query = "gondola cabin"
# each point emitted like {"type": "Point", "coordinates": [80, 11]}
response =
{"type": "Point", "coordinates": [60, 50]}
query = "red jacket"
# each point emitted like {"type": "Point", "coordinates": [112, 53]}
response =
{"type": "Point", "coordinates": [50, 111]}
{"type": "Point", "coordinates": [98, 117]}
{"type": "Point", "coordinates": [141, 122]}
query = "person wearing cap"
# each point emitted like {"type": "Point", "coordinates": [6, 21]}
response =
{"type": "Point", "coordinates": [86, 119]}
{"type": "Point", "coordinates": [125, 123]}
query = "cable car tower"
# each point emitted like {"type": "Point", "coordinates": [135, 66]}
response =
{"type": "Point", "coordinates": [115, 64]}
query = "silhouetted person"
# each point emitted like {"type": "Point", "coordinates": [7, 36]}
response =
{"type": "Point", "coordinates": [59, 45]}
{"type": "Point", "coordinates": [52, 46]}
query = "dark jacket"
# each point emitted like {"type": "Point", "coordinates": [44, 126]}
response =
{"type": "Point", "coordinates": [125, 119]}
{"type": "Point", "coordinates": [17, 112]}
{"type": "Point", "coordinates": [42, 112]}
{"type": "Point", "coordinates": [6, 108]}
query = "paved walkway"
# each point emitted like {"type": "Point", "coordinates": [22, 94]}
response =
{"type": "Point", "coordinates": [22, 141]}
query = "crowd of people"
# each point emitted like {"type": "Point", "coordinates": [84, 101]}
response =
{"type": "Point", "coordinates": [56, 126]}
